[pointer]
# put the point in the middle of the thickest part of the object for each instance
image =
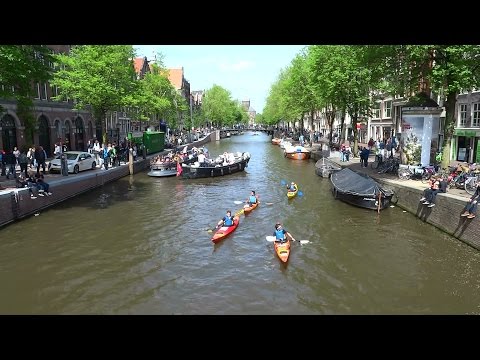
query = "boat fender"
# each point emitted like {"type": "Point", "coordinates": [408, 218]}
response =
{"type": "Point", "coordinates": [222, 171]}
{"type": "Point", "coordinates": [211, 173]}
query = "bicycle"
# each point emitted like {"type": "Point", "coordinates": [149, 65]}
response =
{"type": "Point", "coordinates": [378, 161]}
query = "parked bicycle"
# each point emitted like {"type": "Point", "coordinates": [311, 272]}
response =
{"type": "Point", "coordinates": [391, 165]}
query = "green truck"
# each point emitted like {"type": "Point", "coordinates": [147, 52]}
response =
{"type": "Point", "coordinates": [154, 141]}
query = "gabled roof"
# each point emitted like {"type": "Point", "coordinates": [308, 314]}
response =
{"type": "Point", "coordinates": [138, 64]}
{"type": "Point", "coordinates": [176, 77]}
{"type": "Point", "coordinates": [142, 66]}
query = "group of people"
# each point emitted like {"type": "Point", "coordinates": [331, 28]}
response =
{"type": "Point", "coordinates": [279, 233]}
{"type": "Point", "coordinates": [439, 185]}
{"type": "Point", "coordinates": [36, 185]}
{"type": "Point", "coordinates": [35, 156]}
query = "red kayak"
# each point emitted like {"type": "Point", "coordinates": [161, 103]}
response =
{"type": "Point", "coordinates": [224, 231]}
{"type": "Point", "coordinates": [250, 208]}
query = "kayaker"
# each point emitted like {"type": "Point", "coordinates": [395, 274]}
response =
{"type": "Point", "coordinates": [281, 234]}
{"type": "Point", "coordinates": [292, 187]}
{"type": "Point", "coordinates": [252, 199]}
{"type": "Point", "coordinates": [227, 220]}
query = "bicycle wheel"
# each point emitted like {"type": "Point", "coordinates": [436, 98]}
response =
{"type": "Point", "coordinates": [425, 177]}
{"type": "Point", "coordinates": [404, 174]}
{"type": "Point", "coordinates": [471, 185]}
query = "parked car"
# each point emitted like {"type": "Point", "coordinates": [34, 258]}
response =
{"type": "Point", "coordinates": [77, 161]}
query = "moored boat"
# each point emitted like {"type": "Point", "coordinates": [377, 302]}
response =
{"type": "Point", "coordinates": [276, 141]}
{"type": "Point", "coordinates": [163, 171]}
{"type": "Point", "coordinates": [224, 231]}
{"type": "Point", "coordinates": [325, 167]}
{"type": "Point", "coordinates": [360, 190]}
{"type": "Point", "coordinates": [296, 153]}
{"type": "Point", "coordinates": [215, 168]}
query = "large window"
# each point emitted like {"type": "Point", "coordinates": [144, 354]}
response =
{"type": "Point", "coordinates": [463, 115]}
{"type": "Point", "coordinates": [387, 109]}
{"type": "Point", "coordinates": [476, 115]}
{"type": "Point", "coordinates": [43, 91]}
{"type": "Point", "coordinates": [376, 110]}
{"type": "Point", "coordinates": [37, 88]}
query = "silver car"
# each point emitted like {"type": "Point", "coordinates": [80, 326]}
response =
{"type": "Point", "coordinates": [77, 161]}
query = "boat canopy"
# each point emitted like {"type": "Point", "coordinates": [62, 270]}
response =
{"type": "Point", "coordinates": [350, 182]}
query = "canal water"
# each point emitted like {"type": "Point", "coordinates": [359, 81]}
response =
{"type": "Point", "coordinates": [141, 246]}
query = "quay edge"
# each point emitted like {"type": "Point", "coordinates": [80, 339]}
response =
{"type": "Point", "coordinates": [16, 204]}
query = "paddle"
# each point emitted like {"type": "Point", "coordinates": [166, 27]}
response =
{"type": "Point", "coordinates": [272, 239]}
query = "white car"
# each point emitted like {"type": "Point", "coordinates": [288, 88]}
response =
{"type": "Point", "coordinates": [77, 161]}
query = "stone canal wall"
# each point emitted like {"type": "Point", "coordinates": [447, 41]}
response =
{"type": "Point", "coordinates": [445, 215]}
{"type": "Point", "coordinates": [17, 204]}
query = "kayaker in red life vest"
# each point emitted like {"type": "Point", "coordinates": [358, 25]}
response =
{"type": "Point", "coordinates": [252, 199]}
{"type": "Point", "coordinates": [227, 220]}
{"type": "Point", "coordinates": [292, 187]}
{"type": "Point", "coordinates": [281, 234]}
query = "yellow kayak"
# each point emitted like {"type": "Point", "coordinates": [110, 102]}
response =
{"type": "Point", "coordinates": [292, 194]}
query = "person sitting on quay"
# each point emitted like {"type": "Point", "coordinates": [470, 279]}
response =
{"type": "Point", "coordinates": [25, 182]}
{"type": "Point", "coordinates": [437, 184]}
{"type": "Point", "coordinates": [42, 185]}
{"type": "Point", "coordinates": [470, 209]}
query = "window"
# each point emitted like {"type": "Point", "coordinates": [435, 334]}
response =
{"type": "Point", "coordinates": [476, 115]}
{"type": "Point", "coordinates": [43, 91]}
{"type": "Point", "coordinates": [387, 109]}
{"type": "Point", "coordinates": [376, 110]}
{"type": "Point", "coordinates": [463, 115]}
{"type": "Point", "coordinates": [37, 96]}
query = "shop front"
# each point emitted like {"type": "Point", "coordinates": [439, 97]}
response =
{"type": "Point", "coordinates": [467, 145]}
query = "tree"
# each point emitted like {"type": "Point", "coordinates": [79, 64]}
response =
{"type": "Point", "coordinates": [447, 69]}
{"type": "Point", "coordinates": [259, 119]}
{"type": "Point", "coordinates": [241, 116]}
{"type": "Point", "coordinates": [155, 94]}
{"type": "Point", "coordinates": [101, 77]}
{"type": "Point", "coordinates": [218, 107]}
{"type": "Point", "coordinates": [21, 66]}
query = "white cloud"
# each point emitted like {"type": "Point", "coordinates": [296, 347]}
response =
{"type": "Point", "coordinates": [238, 66]}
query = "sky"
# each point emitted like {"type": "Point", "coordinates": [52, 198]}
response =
{"type": "Point", "coordinates": [247, 71]}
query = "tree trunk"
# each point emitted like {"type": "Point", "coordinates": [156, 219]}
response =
{"type": "Point", "coordinates": [342, 125]}
{"type": "Point", "coordinates": [355, 133]}
{"type": "Point", "coordinates": [449, 127]}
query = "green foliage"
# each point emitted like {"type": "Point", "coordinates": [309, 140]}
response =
{"type": "Point", "coordinates": [21, 66]}
{"type": "Point", "coordinates": [218, 106]}
{"type": "Point", "coordinates": [98, 76]}
{"type": "Point", "coordinates": [446, 69]}
{"type": "Point", "coordinates": [155, 94]}
{"type": "Point", "coordinates": [259, 119]}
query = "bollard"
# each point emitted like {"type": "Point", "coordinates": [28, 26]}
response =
{"type": "Point", "coordinates": [64, 165]}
